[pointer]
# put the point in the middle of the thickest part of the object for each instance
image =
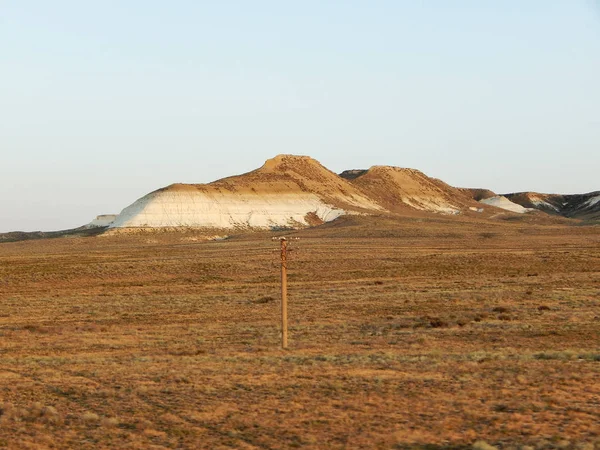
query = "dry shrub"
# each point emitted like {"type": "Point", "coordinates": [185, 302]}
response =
{"type": "Point", "coordinates": [262, 300]}
{"type": "Point", "coordinates": [482, 445]}
{"type": "Point", "coordinates": [36, 411]}
{"type": "Point", "coordinates": [143, 424]}
{"type": "Point", "coordinates": [110, 422]}
{"type": "Point", "coordinates": [154, 433]}
{"type": "Point", "coordinates": [90, 417]}
{"type": "Point", "coordinates": [500, 309]}
{"type": "Point", "coordinates": [7, 412]}
{"type": "Point", "coordinates": [49, 414]}
{"type": "Point", "coordinates": [436, 322]}
{"type": "Point", "coordinates": [501, 407]}
{"type": "Point", "coordinates": [171, 418]}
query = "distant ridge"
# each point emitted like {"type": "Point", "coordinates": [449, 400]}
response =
{"type": "Point", "coordinates": [577, 206]}
{"type": "Point", "coordinates": [290, 191]}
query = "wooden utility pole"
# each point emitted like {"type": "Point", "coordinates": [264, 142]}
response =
{"type": "Point", "coordinates": [284, 319]}
{"type": "Point", "coordinates": [284, 300]}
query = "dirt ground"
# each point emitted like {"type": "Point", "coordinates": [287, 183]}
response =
{"type": "Point", "coordinates": [404, 333]}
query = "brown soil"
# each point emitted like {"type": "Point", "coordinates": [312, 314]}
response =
{"type": "Point", "coordinates": [403, 333]}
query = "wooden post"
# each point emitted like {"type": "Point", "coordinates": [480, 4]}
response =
{"type": "Point", "coordinates": [284, 325]}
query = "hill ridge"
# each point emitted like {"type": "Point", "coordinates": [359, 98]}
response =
{"type": "Point", "coordinates": [398, 188]}
{"type": "Point", "coordinates": [297, 190]}
{"type": "Point", "coordinates": [286, 191]}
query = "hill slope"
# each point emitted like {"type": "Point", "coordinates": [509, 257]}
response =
{"type": "Point", "coordinates": [287, 191]}
{"type": "Point", "coordinates": [398, 189]}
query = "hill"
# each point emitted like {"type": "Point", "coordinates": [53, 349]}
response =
{"type": "Point", "coordinates": [287, 191]}
{"type": "Point", "coordinates": [291, 191]}
{"type": "Point", "coordinates": [399, 189]}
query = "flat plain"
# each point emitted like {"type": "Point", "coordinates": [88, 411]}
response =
{"type": "Point", "coordinates": [404, 333]}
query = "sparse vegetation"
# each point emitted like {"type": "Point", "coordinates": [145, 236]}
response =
{"type": "Point", "coordinates": [399, 338]}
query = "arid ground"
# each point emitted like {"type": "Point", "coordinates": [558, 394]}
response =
{"type": "Point", "coordinates": [403, 332]}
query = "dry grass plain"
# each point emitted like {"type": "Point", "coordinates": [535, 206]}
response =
{"type": "Point", "coordinates": [404, 333]}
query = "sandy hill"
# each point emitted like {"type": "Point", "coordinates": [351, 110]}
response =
{"type": "Point", "coordinates": [577, 206]}
{"type": "Point", "coordinates": [287, 191]}
{"type": "Point", "coordinates": [286, 173]}
{"type": "Point", "coordinates": [398, 189]}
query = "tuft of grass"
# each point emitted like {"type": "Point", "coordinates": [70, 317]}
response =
{"type": "Point", "coordinates": [436, 322]}
{"type": "Point", "coordinates": [110, 422]}
{"type": "Point", "coordinates": [90, 417]}
{"type": "Point", "coordinates": [482, 445]}
{"type": "Point", "coordinates": [263, 300]}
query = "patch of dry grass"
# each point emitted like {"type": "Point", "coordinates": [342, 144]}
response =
{"type": "Point", "coordinates": [402, 334]}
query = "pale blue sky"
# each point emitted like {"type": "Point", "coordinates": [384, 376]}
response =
{"type": "Point", "coordinates": [102, 102]}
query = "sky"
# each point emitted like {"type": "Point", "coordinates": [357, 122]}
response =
{"type": "Point", "coordinates": [103, 102]}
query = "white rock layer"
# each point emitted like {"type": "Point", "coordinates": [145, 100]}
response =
{"type": "Point", "coordinates": [542, 203]}
{"type": "Point", "coordinates": [502, 202]}
{"type": "Point", "coordinates": [224, 210]}
{"type": "Point", "coordinates": [592, 201]}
